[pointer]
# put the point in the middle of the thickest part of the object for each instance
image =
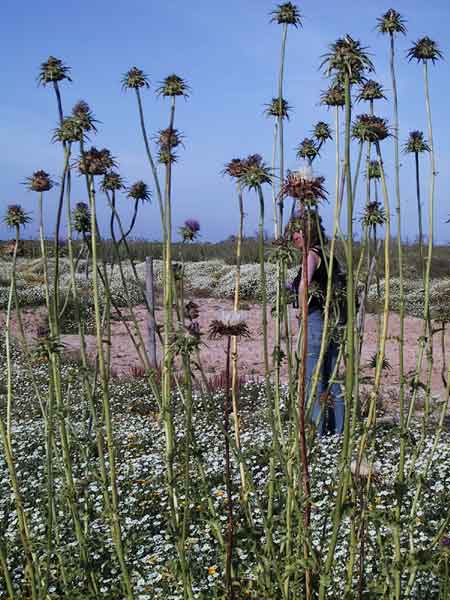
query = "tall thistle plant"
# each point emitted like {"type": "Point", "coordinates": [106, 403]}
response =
{"type": "Point", "coordinates": [417, 144]}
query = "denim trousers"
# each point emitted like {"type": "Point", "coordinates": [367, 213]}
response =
{"type": "Point", "coordinates": [328, 407]}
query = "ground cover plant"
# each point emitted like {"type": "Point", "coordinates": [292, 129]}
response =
{"type": "Point", "coordinates": [176, 485]}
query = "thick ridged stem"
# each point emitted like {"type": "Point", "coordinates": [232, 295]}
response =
{"type": "Point", "coordinates": [280, 122]}
{"type": "Point", "coordinates": [419, 208]}
{"type": "Point", "coordinates": [227, 467]}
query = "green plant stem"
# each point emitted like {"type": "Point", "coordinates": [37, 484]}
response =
{"type": "Point", "coordinates": [419, 209]}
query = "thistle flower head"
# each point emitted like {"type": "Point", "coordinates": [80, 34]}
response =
{"type": "Point", "coordinates": [371, 90]}
{"type": "Point", "coordinates": [173, 85]}
{"type": "Point", "coordinates": [255, 172]}
{"type": "Point", "coordinates": [373, 170]}
{"type": "Point", "coordinates": [347, 58]}
{"type": "Point", "coordinates": [333, 96]}
{"type": "Point", "coordinates": [416, 143]}
{"type": "Point", "coordinates": [169, 138]}
{"type": "Point", "coordinates": [81, 218]}
{"type": "Point", "coordinates": [112, 182]}
{"type": "Point", "coordinates": [190, 230]}
{"type": "Point", "coordinates": [368, 128]}
{"type": "Point", "coordinates": [235, 168]}
{"type": "Point", "coordinates": [134, 79]}
{"type": "Point", "coordinates": [322, 132]}
{"type": "Point", "coordinates": [139, 191]}
{"type": "Point", "coordinates": [69, 131]}
{"type": "Point", "coordinates": [286, 13]}
{"type": "Point", "coordinates": [165, 157]}
{"type": "Point", "coordinates": [278, 108]}
{"type": "Point", "coordinates": [423, 50]}
{"type": "Point", "coordinates": [53, 70]}
{"type": "Point", "coordinates": [445, 542]}
{"type": "Point", "coordinates": [307, 149]}
{"type": "Point", "coordinates": [304, 187]}
{"type": "Point", "coordinates": [229, 323]}
{"type": "Point", "coordinates": [96, 162]}
{"type": "Point", "coordinates": [373, 214]}
{"type": "Point", "coordinates": [39, 182]}
{"type": "Point", "coordinates": [391, 22]}
{"type": "Point", "coordinates": [15, 216]}
{"type": "Point", "coordinates": [82, 112]}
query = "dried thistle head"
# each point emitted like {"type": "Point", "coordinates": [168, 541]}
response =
{"type": "Point", "coordinates": [173, 85]}
{"type": "Point", "coordinates": [169, 138]}
{"type": "Point", "coordinates": [307, 149]}
{"type": "Point", "coordinates": [186, 340]}
{"type": "Point", "coordinates": [278, 108]}
{"type": "Point", "coordinates": [391, 22]}
{"type": "Point", "coordinates": [235, 168]}
{"type": "Point", "coordinates": [82, 112]}
{"type": "Point", "coordinates": [424, 50]}
{"type": "Point", "coordinates": [112, 182]}
{"type": "Point", "coordinates": [139, 191]}
{"type": "Point", "coordinates": [96, 162]}
{"type": "Point", "coordinates": [39, 182]}
{"type": "Point", "coordinates": [190, 230]}
{"type": "Point", "coordinates": [255, 172]}
{"type": "Point", "coordinates": [282, 251]}
{"type": "Point", "coordinates": [15, 216]}
{"type": "Point", "coordinates": [69, 131]}
{"type": "Point", "coordinates": [374, 214]}
{"type": "Point", "coordinates": [333, 96]}
{"type": "Point", "coordinates": [416, 143]}
{"type": "Point", "coordinates": [307, 190]}
{"type": "Point", "coordinates": [369, 128]}
{"type": "Point", "coordinates": [167, 158]}
{"type": "Point", "coordinates": [134, 79]}
{"type": "Point", "coordinates": [371, 90]}
{"type": "Point", "coordinates": [229, 324]}
{"type": "Point", "coordinates": [53, 70]}
{"type": "Point", "coordinates": [322, 132]}
{"type": "Point", "coordinates": [385, 364]}
{"type": "Point", "coordinates": [81, 218]}
{"type": "Point", "coordinates": [374, 170]}
{"type": "Point", "coordinates": [286, 14]}
{"type": "Point", "coordinates": [347, 58]}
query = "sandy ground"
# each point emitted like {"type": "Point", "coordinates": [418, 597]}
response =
{"type": "Point", "coordinates": [125, 358]}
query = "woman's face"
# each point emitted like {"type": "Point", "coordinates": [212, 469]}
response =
{"type": "Point", "coordinates": [297, 239]}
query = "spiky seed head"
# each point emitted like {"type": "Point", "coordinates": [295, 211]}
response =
{"type": "Point", "coordinates": [369, 128]}
{"type": "Point", "coordinates": [39, 182]}
{"type": "Point", "coordinates": [424, 50]}
{"type": "Point", "coordinates": [112, 182]}
{"type": "Point", "coordinates": [15, 216]}
{"type": "Point", "coordinates": [286, 13]}
{"type": "Point", "coordinates": [416, 143]}
{"type": "Point", "coordinates": [69, 131]}
{"type": "Point", "coordinates": [307, 149]}
{"type": "Point", "coordinates": [374, 214]}
{"type": "Point", "coordinates": [307, 190]}
{"type": "Point", "coordinates": [169, 138]}
{"type": "Point", "coordinates": [255, 172]}
{"type": "Point", "coordinates": [333, 96]}
{"type": "Point", "coordinates": [134, 79]}
{"type": "Point", "coordinates": [53, 70]}
{"type": "Point", "coordinates": [81, 218]}
{"type": "Point", "coordinates": [167, 158]}
{"type": "Point", "coordinates": [190, 230]}
{"type": "Point", "coordinates": [278, 108]}
{"type": "Point", "coordinates": [139, 191]}
{"type": "Point", "coordinates": [347, 57]}
{"type": "Point", "coordinates": [322, 132]}
{"type": "Point", "coordinates": [173, 85]}
{"type": "Point", "coordinates": [82, 112]}
{"type": "Point", "coordinates": [235, 168]}
{"type": "Point", "coordinates": [229, 323]}
{"type": "Point", "coordinates": [385, 364]}
{"type": "Point", "coordinates": [96, 162]}
{"type": "Point", "coordinates": [374, 170]}
{"type": "Point", "coordinates": [371, 90]}
{"type": "Point", "coordinates": [391, 22]}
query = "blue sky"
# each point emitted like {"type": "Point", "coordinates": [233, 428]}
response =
{"type": "Point", "coordinates": [229, 54]}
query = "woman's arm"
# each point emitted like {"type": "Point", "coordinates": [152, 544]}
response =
{"type": "Point", "coordinates": [313, 261]}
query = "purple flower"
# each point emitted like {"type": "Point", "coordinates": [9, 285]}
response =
{"type": "Point", "coordinates": [445, 542]}
{"type": "Point", "coordinates": [190, 230]}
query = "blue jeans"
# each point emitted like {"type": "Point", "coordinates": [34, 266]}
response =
{"type": "Point", "coordinates": [327, 416]}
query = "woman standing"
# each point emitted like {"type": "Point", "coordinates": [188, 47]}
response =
{"type": "Point", "coordinates": [306, 232]}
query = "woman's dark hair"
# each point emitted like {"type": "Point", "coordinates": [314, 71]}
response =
{"type": "Point", "coordinates": [310, 224]}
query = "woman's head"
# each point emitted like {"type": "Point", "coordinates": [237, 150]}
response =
{"type": "Point", "coordinates": [306, 226]}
